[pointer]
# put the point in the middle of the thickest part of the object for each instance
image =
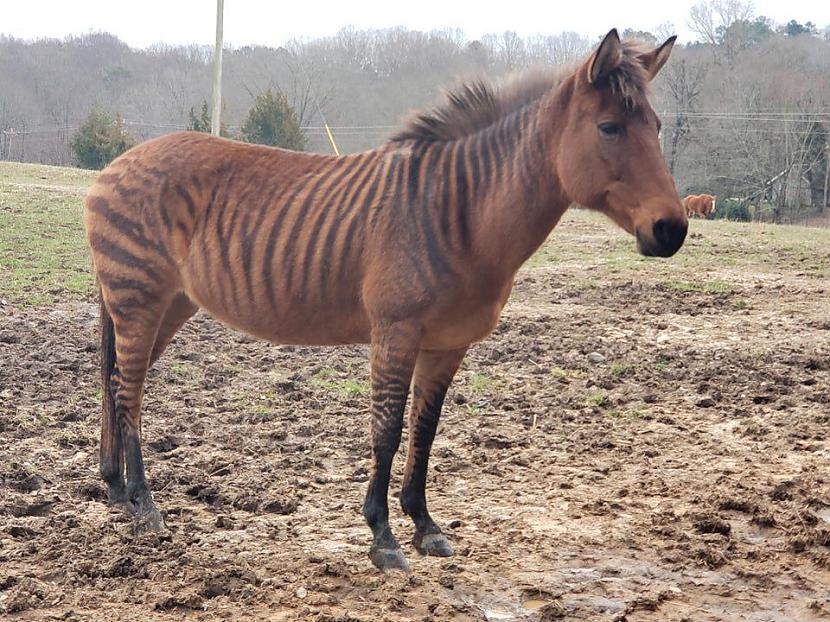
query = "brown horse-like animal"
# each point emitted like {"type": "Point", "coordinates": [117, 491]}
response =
{"type": "Point", "coordinates": [700, 204]}
{"type": "Point", "coordinates": [411, 247]}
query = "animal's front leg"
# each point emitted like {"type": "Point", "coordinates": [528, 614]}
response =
{"type": "Point", "coordinates": [393, 353]}
{"type": "Point", "coordinates": [434, 372]}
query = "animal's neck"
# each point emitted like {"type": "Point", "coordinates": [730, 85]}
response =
{"type": "Point", "coordinates": [516, 199]}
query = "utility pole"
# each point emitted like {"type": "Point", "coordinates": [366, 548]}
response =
{"type": "Point", "coordinates": [215, 123]}
{"type": "Point", "coordinates": [826, 177]}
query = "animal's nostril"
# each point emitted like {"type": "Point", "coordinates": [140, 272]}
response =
{"type": "Point", "coordinates": [662, 231]}
{"type": "Point", "coordinates": [669, 235]}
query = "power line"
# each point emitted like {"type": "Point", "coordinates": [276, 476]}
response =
{"type": "Point", "coordinates": [748, 113]}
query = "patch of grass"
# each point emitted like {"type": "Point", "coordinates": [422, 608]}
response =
{"type": "Point", "coordinates": [354, 388]}
{"type": "Point", "coordinates": [180, 369]}
{"type": "Point", "coordinates": [625, 414]}
{"type": "Point", "coordinates": [600, 400]}
{"type": "Point", "coordinates": [473, 409]}
{"type": "Point", "coordinates": [707, 287]}
{"type": "Point", "coordinates": [480, 383]}
{"type": "Point", "coordinates": [29, 422]}
{"type": "Point", "coordinates": [584, 237]}
{"type": "Point", "coordinates": [740, 303]}
{"type": "Point", "coordinates": [43, 252]}
{"type": "Point", "coordinates": [559, 372]}
{"type": "Point", "coordinates": [621, 368]}
{"type": "Point", "coordinates": [24, 174]}
{"type": "Point", "coordinates": [69, 438]}
{"type": "Point", "coordinates": [261, 409]}
{"type": "Point", "coordinates": [327, 379]}
{"type": "Point", "coordinates": [660, 366]}
{"type": "Point", "coordinates": [624, 262]}
{"type": "Point", "coordinates": [261, 405]}
{"type": "Point", "coordinates": [586, 284]}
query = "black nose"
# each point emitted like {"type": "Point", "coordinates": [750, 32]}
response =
{"type": "Point", "coordinates": [669, 235]}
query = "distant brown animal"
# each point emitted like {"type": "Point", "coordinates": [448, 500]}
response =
{"type": "Point", "coordinates": [700, 204]}
{"type": "Point", "coordinates": [411, 247]}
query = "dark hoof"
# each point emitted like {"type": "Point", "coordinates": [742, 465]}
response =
{"type": "Point", "coordinates": [435, 544]}
{"type": "Point", "coordinates": [388, 559]}
{"type": "Point", "coordinates": [149, 520]}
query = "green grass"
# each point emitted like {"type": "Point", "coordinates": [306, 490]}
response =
{"type": "Point", "coordinates": [589, 239]}
{"type": "Point", "coordinates": [329, 380]}
{"type": "Point", "coordinates": [480, 383]}
{"type": "Point", "coordinates": [559, 372]}
{"type": "Point", "coordinates": [621, 368]}
{"type": "Point", "coordinates": [706, 287]}
{"type": "Point", "coordinates": [473, 409]}
{"type": "Point", "coordinates": [354, 388]}
{"type": "Point", "coordinates": [43, 253]}
{"type": "Point", "coordinates": [600, 400]}
{"type": "Point", "coordinates": [181, 369]}
{"type": "Point", "coordinates": [19, 173]}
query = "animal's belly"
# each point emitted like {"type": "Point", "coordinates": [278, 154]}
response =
{"type": "Point", "coordinates": [285, 319]}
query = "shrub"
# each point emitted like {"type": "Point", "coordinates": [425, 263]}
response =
{"type": "Point", "coordinates": [272, 121]}
{"type": "Point", "coordinates": [200, 121]}
{"type": "Point", "coordinates": [732, 209]}
{"type": "Point", "coordinates": [99, 140]}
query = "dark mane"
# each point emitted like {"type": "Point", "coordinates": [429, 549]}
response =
{"type": "Point", "coordinates": [478, 103]}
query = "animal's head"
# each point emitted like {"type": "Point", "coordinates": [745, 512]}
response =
{"type": "Point", "coordinates": [713, 199]}
{"type": "Point", "coordinates": [609, 155]}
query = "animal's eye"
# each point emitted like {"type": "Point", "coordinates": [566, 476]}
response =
{"type": "Point", "coordinates": [610, 129]}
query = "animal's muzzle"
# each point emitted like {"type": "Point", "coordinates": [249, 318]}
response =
{"type": "Point", "coordinates": [667, 238]}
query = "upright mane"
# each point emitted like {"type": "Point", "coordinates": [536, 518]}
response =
{"type": "Point", "coordinates": [479, 103]}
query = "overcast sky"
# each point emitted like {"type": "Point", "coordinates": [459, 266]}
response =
{"type": "Point", "coordinates": [266, 22]}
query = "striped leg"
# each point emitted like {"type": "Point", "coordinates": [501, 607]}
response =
{"type": "Point", "coordinates": [393, 353]}
{"type": "Point", "coordinates": [434, 372]}
{"type": "Point", "coordinates": [135, 336]}
{"type": "Point", "coordinates": [112, 453]}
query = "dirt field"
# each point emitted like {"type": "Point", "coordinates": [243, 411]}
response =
{"type": "Point", "coordinates": [639, 440]}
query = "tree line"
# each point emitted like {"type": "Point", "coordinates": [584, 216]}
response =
{"type": "Point", "coordinates": [745, 108]}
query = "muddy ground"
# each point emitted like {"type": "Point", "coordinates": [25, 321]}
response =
{"type": "Point", "coordinates": [624, 447]}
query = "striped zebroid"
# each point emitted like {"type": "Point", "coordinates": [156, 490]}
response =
{"type": "Point", "coordinates": [411, 247]}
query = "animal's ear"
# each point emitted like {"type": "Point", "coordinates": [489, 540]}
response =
{"type": "Point", "coordinates": [606, 58]}
{"type": "Point", "coordinates": [653, 61]}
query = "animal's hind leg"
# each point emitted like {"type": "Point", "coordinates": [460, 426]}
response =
{"type": "Point", "coordinates": [434, 372]}
{"type": "Point", "coordinates": [112, 453]}
{"type": "Point", "coordinates": [135, 336]}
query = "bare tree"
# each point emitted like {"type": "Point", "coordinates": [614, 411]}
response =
{"type": "Point", "coordinates": [307, 90]}
{"type": "Point", "coordinates": [710, 19]}
{"type": "Point", "coordinates": [702, 22]}
{"type": "Point", "coordinates": [684, 81]}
